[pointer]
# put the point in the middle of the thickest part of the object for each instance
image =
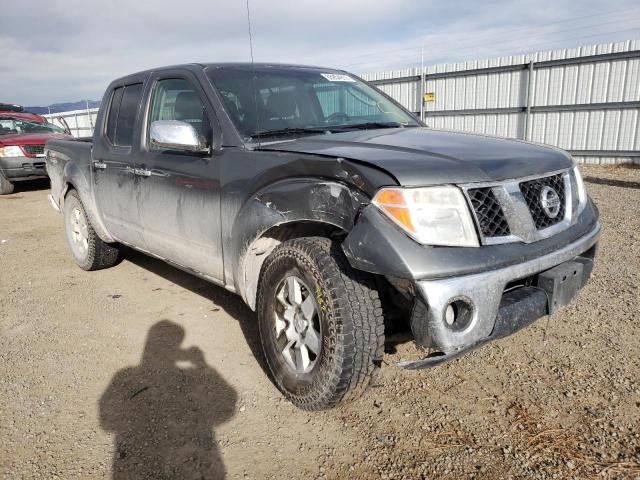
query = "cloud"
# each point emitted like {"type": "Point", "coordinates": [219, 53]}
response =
{"type": "Point", "coordinates": [79, 46]}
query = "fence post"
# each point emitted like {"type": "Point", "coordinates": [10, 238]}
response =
{"type": "Point", "coordinates": [527, 110]}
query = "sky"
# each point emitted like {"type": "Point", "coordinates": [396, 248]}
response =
{"type": "Point", "coordinates": [67, 50]}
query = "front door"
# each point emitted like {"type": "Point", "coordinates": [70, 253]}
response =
{"type": "Point", "coordinates": [179, 198]}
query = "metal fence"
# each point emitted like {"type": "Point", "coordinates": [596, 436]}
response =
{"type": "Point", "coordinates": [585, 100]}
{"type": "Point", "coordinates": [79, 122]}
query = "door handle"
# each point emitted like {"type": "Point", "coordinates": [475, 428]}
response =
{"type": "Point", "coordinates": [99, 165]}
{"type": "Point", "coordinates": [141, 172]}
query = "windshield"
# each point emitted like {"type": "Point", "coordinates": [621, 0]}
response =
{"type": "Point", "coordinates": [299, 101]}
{"type": "Point", "coordinates": [17, 126]}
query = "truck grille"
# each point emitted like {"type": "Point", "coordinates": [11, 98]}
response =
{"type": "Point", "coordinates": [489, 215]}
{"type": "Point", "coordinates": [532, 192]}
{"type": "Point", "coordinates": [33, 149]}
{"type": "Point", "coordinates": [524, 210]}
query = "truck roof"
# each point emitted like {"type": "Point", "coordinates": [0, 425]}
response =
{"type": "Point", "coordinates": [239, 65]}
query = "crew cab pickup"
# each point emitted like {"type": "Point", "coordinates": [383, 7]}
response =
{"type": "Point", "coordinates": [331, 210]}
{"type": "Point", "coordinates": [22, 139]}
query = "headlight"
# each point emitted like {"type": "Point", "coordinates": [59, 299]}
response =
{"type": "Point", "coordinates": [582, 191]}
{"type": "Point", "coordinates": [11, 151]}
{"type": "Point", "coordinates": [431, 215]}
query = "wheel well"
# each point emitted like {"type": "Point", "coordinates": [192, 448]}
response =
{"type": "Point", "coordinates": [68, 186]}
{"type": "Point", "coordinates": [304, 228]}
{"type": "Point", "coordinates": [270, 239]}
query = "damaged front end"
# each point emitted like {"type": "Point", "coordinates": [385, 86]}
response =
{"type": "Point", "coordinates": [466, 297]}
{"type": "Point", "coordinates": [453, 316]}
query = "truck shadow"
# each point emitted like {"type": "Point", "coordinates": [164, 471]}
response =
{"type": "Point", "coordinates": [163, 411]}
{"type": "Point", "coordinates": [31, 185]}
{"type": "Point", "coordinates": [231, 303]}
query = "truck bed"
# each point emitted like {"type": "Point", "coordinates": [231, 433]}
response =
{"type": "Point", "coordinates": [61, 155]}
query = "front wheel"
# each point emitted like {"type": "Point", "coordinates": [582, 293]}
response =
{"type": "Point", "coordinates": [321, 323]}
{"type": "Point", "coordinates": [6, 187]}
{"type": "Point", "coordinates": [88, 250]}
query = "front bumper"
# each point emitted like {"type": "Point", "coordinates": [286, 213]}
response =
{"type": "Point", "coordinates": [23, 168]}
{"type": "Point", "coordinates": [495, 312]}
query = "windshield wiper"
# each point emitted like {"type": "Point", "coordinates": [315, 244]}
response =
{"type": "Point", "coordinates": [287, 131]}
{"type": "Point", "coordinates": [370, 125]}
{"type": "Point", "coordinates": [328, 129]}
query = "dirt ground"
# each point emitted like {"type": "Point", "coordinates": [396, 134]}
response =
{"type": "Point", "coordinates": [111, 373]}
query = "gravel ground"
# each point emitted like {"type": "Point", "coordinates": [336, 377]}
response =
{"type": "Point", "coordinates": [114, 373]}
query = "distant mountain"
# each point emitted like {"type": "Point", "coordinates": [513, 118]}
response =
{"type": "Point", "coordinates": [63, 107]}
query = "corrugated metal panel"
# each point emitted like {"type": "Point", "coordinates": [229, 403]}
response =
{"type": "Point", "coordinates": [598, 81]}
{"type": "Point", "coordinates": [81, 122]}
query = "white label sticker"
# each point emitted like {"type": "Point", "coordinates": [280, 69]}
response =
{"type": "Point", "coordinates": [337, 77]}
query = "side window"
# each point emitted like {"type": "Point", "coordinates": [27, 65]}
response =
{"type": "Point", "coordinates": [127, 114]}
{"type": "Point", "coordinates": [122, 114]}
{"type": "Point", "coordinates": [177, 99]}
{"type": "Point", "coordinates": [112, 120]}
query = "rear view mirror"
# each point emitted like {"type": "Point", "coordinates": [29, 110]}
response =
{"type": "Point", "coordinates": [176, 135]}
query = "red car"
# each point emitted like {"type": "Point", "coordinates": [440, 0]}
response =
{"type": "Point", "coordinates": [22, 139]}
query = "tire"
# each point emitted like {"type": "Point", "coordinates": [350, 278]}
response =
{"type": "Point", "coordinates": [87, 249]}
{"type": "Point", "coordinates": [348, 322]}
{"type": "Point", "coordinates": [6, 187]}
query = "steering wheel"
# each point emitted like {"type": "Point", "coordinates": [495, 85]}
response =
{"type": "Point", "coordinates": [336, 116]}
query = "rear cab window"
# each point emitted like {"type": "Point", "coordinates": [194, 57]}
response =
{"type": "Point", "coordinates": [122, 114]}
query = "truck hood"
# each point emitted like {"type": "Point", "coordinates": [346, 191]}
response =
{"type": "Point", "coordinates": [30, 138]}
{"type": "Point", "coordinates": [423, 156]}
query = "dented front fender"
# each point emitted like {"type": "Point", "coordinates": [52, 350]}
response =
{"type": "Point", "coordinates": [301, 200]}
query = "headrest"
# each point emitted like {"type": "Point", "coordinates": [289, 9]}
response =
{"type": "Point", "coordinates": [281, 106]}
{"type": "Point", "coordinates": [188, 107]}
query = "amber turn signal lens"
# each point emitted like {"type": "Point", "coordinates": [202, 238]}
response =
{"type": "Point", "coordinates": [401, 215]}
{"type": "Point", "coordinates": [390, 196]}
{"type": "Point", "coordinates": [393, 203]}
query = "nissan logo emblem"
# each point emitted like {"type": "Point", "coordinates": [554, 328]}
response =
{"type": "Point", "coordinates": [550, 201]}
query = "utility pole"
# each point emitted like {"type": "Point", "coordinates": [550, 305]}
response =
{"type": "Point", "coordinates": [89, 115]}
{"type": "Point", "coordinates": [422, 84]}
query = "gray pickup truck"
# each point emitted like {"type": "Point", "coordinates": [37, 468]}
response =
{"type": "Point", "coordinates": [331, 210]}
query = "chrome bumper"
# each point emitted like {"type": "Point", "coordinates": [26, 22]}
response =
{"type": "Point", "coordinates": [484, 291]}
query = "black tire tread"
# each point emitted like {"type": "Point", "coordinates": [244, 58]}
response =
{"type": "Point", "coordinates": [101, 254]}
{"type": "Point", "coordinates": [357, 308]}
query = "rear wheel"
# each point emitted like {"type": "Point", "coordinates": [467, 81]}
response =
{"type": "Point", "coordinates": [88, 250]}
{"type": "Point", "coordinates": [321, 323]}
{"type": "Point", "coordinates": [6, 187]}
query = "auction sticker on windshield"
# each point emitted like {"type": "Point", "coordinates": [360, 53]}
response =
{"type": "Point", "coordinates": [337, 77]}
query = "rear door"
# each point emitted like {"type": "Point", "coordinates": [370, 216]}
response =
{"type": "Point", "coordinates": [179, 199]}
{"type": "Point", "coordinates": [113, 162]}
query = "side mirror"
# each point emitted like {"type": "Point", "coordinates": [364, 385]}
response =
{"type": "Point", "coordinates": [176, 135]}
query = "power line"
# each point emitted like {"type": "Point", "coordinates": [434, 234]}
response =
{"type": "Point", "coordinates": [471, 40]}
{"type": "Point", "coordinates": [510, 48]}
{"type": "Point", "coordinates": [460, 46]}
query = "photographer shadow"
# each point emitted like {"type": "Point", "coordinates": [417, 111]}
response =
{"type": "Point", "coordinates": [163, 411]}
